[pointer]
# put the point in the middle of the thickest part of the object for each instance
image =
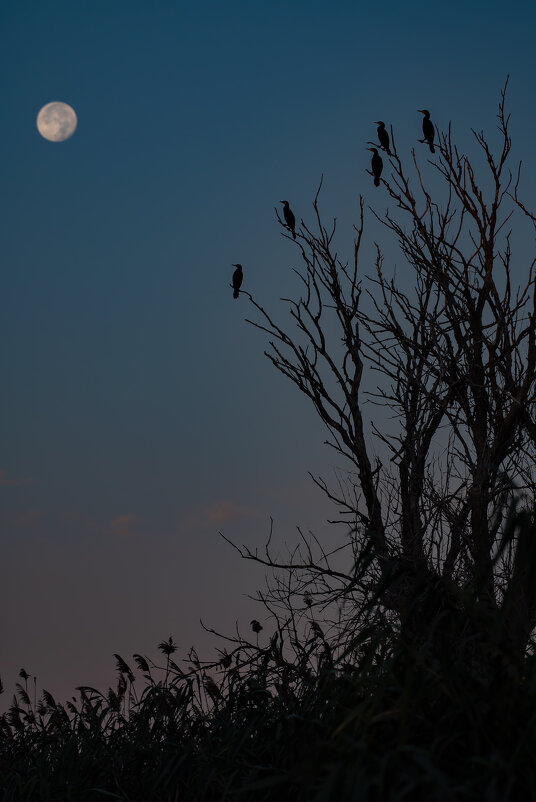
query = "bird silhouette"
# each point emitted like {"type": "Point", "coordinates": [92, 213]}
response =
{"type": "Point", "coordinates": [237, 280]}
{"type": "Point", "coordinates": [288, 214]}
{"type": "Point", "coordinates": [383, 136]}
{"type": "Point", "coordinates": [428, 129]}
{"type": "Point", "coordinates": [377, 166]}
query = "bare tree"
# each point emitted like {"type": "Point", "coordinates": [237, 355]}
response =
{"type": "Point", "coordinates": [456, 364]}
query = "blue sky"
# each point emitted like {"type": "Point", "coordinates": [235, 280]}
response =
{"type": "Point", "coordinates": [138, 415]}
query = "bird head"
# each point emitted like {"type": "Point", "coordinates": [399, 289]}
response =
{"type": "Point", "coordinates": [379, 122]}
{"type": "Point", "coordinates": [285, 202]}
{"type": "Point", "coordinates": [424, 111]}
{"type": "Point", "coordinates": [373, 150]}
{"type": "Point", "coordinates": [240, 266]}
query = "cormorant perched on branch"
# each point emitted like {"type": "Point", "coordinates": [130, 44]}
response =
{"type": "Point", "coordinates": [428, 129]}
{"type": "Point", "coordinates": [290, 220]}
{"type": "Point", "coordinates": [377, 166]}
{"type": "Point", "coordinates": [383, 136]}
{"type": "Point", "coordinates": [237, 280]}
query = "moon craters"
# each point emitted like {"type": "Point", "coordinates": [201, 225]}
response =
{"type": "Point", "coordinates": [57, 121]}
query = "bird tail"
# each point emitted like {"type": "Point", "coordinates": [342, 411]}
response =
{"type": "Point", "coordinates": [431, 147]}
{"type": "Point", "coordinates": [294, 235]}
{"type": "Point", "coordinates": [377, 181]}
{"type": "Point", "coordinates": [235, 294]}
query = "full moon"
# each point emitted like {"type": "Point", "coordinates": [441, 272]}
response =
{"type": "Point", "coordinates": [56, 121]}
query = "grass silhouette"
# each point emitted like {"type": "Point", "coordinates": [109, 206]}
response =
{"type": "Point", "coordinates": [384, 718]}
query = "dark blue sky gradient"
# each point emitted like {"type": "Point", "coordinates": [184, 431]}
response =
{"type": "Point", "coordinates": [138, 415]}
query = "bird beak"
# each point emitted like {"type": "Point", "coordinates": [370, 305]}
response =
{"type": "Point", "coordinates": [421, 111]}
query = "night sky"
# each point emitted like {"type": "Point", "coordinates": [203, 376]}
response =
{"type": "Point", "coordinates": [138, 414]}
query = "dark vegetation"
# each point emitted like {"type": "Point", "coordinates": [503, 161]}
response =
{"type": "Point", "coordinates": [400, 664]}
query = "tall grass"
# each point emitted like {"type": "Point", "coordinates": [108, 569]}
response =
{"type": "Point", "coordinates": [381, 716]}
{"type": "Point", "coordinates": [387, 723]}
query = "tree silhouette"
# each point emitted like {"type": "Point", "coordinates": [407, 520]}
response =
{"type": "Point", "coordinates": [455, 356]}
{"type": "Point", "coordinates": [400, 669]}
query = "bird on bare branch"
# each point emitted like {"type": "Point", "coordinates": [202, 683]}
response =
{"type": "Point", "coordinates": [427, 129]}
{"type": "Point", "coordinates": [288, 214]}
{"type": "Point", "coordinates": [237, 280]}
{"type": "Point", "coordinates": [383, 136]}
{"type": "Point", "coordinates": [376, 165]}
